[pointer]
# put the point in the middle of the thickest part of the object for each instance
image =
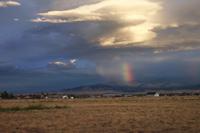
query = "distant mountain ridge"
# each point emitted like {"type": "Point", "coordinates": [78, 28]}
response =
{"type": "Point", "coordinates": [103, 88]}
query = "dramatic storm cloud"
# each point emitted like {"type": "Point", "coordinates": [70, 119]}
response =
{"type": "Point", "coordinates": [55, 44]}
{"type": "Point", "coordinates": [132, 20]}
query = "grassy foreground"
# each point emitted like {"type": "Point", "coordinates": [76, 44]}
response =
{"type": "Point", "coordinates": [120, 115]}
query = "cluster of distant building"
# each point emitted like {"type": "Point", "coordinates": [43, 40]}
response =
{"type": "Point", "coordinates": [44, 96]}
{"type": "Point", "coordinates": [6, 95]}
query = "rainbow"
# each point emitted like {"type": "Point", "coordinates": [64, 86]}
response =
{"type": "Point", "coordinates": [128, 75]}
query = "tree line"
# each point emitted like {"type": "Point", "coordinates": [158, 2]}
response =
{"type": "Point", "coordinates": [6, 95]}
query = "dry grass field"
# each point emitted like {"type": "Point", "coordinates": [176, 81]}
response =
{"type": "Point", "coordinates": [120, 115]}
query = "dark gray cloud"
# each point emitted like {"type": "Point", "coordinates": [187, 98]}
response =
{"type": "Point", "coordinates": [44, 79]}
{"type": "Point", "coordinates": [180, 11]}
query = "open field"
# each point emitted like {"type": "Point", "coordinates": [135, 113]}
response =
{"type": "Point", "coordinates": [120, 115]}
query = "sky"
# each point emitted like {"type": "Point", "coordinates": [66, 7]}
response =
{"type": "Point", "coordinates": [57, 44]}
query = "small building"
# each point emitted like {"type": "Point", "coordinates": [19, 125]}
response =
{"type": "Point", "coordinates": [71, 97]}
{"type": "Point", "coordinates": [156, 94]}
{"type": "Point", "coordinates": [65, 97]}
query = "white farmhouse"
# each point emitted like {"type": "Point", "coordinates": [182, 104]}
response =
{"type": "Point", "coordinates": [65, 97]}
{"type": "Point", "coordinates": [156, 94]}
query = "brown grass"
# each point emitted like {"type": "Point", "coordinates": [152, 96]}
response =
{"type": "Point", "coordinates": [121, 115]}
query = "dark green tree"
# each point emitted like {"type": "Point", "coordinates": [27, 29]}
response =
{"type": "Point", "coordinates": [6, 95]}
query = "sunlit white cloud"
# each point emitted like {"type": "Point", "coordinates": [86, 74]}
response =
{"type": "Point", "coordinates": [62, 65]}
{"type": "Point", "coordinates": [73, 61]}
{"type": "Point", "coordinates": [38, 20]}
{"type": "Point", "coordinates": [135, 19]}
{"type": "Point", "coordinates": [9, 3]}
{"type": "Point", "coordinates": [150, 23]}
